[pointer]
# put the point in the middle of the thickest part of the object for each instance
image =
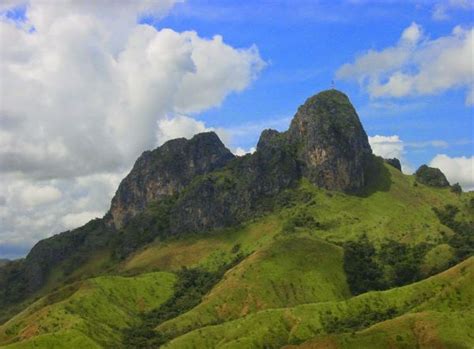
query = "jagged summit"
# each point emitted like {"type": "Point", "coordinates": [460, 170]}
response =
{"type": "Point", "coordinates": [166, 171]}
{"type": "Point", "coordinates": [325, 143]}
{"type": "Point", "coordinates": [331, 142]}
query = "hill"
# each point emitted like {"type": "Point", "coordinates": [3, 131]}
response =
{"type": "Point", "coordinates": [310, 241]}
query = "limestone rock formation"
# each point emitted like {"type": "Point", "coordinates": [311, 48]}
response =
{"type": "Point", "coordinates": [325, 143]}
{"type": "Point", "coordinates": [165, 172]}
{"type": "Point", "coordinates": [331, 142]}
{"type": "Point", "coordinates": [228, 196]}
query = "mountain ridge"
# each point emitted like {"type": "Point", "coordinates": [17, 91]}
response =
{"type": "Point", "coordinates": [192, 204]}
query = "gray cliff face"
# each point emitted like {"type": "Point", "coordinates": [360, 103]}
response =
{"type": "Point", "coordinates": [332, 144]}
{"type": "Point", "coordinates": [325, 143]}
{"type": "Point", "coordinates": [229, 196]}
{"type": "Point", "coordinates": [233, 194]}
{"type": "Point", "coordinates": [165, 172]}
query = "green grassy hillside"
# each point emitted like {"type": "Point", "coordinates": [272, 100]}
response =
{"type": "Point", "coordinates": [288, 272]}
{"type": "Point", "coordinates": [89, 313]}
{"type": "Point", "coordinates": [450, 295]}
{"type": "Point", "coordinates": [290, 286]}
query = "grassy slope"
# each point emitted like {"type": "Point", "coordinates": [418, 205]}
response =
{"type": "Point", "coordinates": [282, 269]}
{"type": "Point", "coordinates": [290, 271]}
{"type": "Point", "coordinates": [266, 281]}
{"type": "Point", "coordinates": [403, 213]}
{"type": "Point", "coordinates": [424, 330]}
{"type": "Point", "coordinates": [208, 251]}
{"type": "Point", "coordinates": [91, 311]}
{"type": "Point", "coordinates": [448, 295]}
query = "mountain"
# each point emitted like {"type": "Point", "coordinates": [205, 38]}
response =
{"type": "Point", "coordinates": [310, 241]}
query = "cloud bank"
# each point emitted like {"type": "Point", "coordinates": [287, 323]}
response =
{"type": "Point", "coordinates": [83, 94]}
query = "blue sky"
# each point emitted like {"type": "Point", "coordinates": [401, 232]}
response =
{"type": "Point", "coordinates": [305, 42]}
{"type": "Point", "coordinates": [87, 86]}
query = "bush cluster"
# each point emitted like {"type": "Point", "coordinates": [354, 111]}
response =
{"type": "Point", "coordinates": [393, 264]}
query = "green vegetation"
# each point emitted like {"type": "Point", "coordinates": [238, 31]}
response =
{"type": "Point", "coordinates": [448, 296]}
{"type": "Point", "coordinates": [92, 311]}
{"type": "Point", "coordinates": [431, 176]}
{"type": "Point", "coordinates": [305, 260]}
{"type": "Point", "coordinates": [191, 286]}
{"type": "Point", "coordinates": [463, 238]}
{"type": "Point", "coordinates": [290, 271]}
{"type": "Point", "coordinates": [363, 273]}
{"type": "Point", "coordinates": [153, 222]}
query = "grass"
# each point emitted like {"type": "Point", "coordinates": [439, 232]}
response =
{"type": "Point", "coordinates": [290, 289]}
{"type": "Point", "coordinates": [208, 251]}
{"type": "Point", "coordinates": [449, 294]}
{"type": "Point", "coordinates": [94, 310]}
{"type": "Point", "coordinates": [290, 271]}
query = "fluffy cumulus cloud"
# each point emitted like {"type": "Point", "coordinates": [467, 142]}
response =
{"type": "Point", "coordinates": [457, 169]}
{"type": "Point", "coordinates": [417, 65]}
{"type": "Point", "coordinates": [390, 147]}
{"type": "Point", "coordinates": [83, 94]}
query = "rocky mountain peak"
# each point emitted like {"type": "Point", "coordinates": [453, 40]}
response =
{"type": "Point", "coordinates": [165, 172]}
{"type": "Point", "coordinates": [331, 142]}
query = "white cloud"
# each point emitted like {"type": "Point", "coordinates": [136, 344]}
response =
{"type": "Point", "coordinates": [417, 65]}
{"type": "Point", "coordinates": [83, 94]}
{"type": "Point", "coordinates": [457, 169]}
{"type": "Point", "coordinates": [89, 104]}
{"type": "Point", "coordinates": [32, 195]}
{"type": "Point", "coordinates": [183, 126]}
{"type": "Point", "coordinates": [390, 147]}
{"type": "Point", "coordinates": [241, 151]}
{"type": "Point", "coordinates": [387, 146]}
{"type": "Point", "coordinates": [74, 220]}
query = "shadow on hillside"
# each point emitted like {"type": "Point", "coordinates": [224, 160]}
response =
{"type": "Point", "coordinates": [378, 178]}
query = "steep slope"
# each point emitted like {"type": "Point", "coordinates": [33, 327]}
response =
{"type": "Point", "coordinates": [91, 312]}
{"type": "Point", "coordinates": [290, 271]}
{"type": "Point", "coordinates": [449, 293]}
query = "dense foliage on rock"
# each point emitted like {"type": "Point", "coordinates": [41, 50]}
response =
{"type": "Point", "coordinates": [431, 176]}
{"type": "Point", "coordinates": [395, 163]}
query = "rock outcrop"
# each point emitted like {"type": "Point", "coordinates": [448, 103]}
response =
{"type": "Point", "coordinates": [165, 172]}
{"type": "Point", "coordinates": [331, 142]}
{"type": "Point", "coordinates": [394, 163]}
{"type": "Point", "coordinates": [431, 176]}
{"type": "Point", "coordinates": [325, 143]}
{"type": "Point", "coordinates": [228, 196]}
